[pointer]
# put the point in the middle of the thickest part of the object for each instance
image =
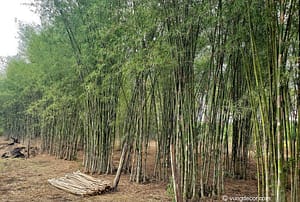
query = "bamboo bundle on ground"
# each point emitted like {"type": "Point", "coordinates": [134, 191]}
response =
{"type": "Point", "coordinates": [81, 184]}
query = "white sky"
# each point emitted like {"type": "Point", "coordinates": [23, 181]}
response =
{"type": "Point", "coordinates": [12, 11]}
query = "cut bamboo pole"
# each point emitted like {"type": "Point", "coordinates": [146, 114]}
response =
{"type": "Point", "coordinates": [81, 184]}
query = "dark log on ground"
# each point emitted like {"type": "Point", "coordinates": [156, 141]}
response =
{"type": "Point", "coordinates": [15, 153]}
{"type": "Point", "coordinates": [4, 155]}
{"type": "Point", "coordinates": [15, 140]}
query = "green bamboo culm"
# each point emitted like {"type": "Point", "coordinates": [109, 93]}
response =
{"type": "Point", "coordinates": [201, 88]}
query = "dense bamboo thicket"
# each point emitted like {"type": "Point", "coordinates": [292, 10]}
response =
{"type": "Point", "coordinates": [210, 83]}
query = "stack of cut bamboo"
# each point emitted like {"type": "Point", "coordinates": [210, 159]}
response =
{"type": "Point", "coordinates": [81, 184]}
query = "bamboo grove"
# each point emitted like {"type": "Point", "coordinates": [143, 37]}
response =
{"type": "Point", "coordinates": [213, 83]}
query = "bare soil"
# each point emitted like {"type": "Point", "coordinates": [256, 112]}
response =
{"type": "Point", "coordinates": [23, 180]}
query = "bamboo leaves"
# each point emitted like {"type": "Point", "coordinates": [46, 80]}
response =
{"type": "Point", "coordinates": [208, 82]}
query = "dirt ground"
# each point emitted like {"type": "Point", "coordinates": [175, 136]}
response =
{"type": "Point", "coordinates": [23, 180]}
